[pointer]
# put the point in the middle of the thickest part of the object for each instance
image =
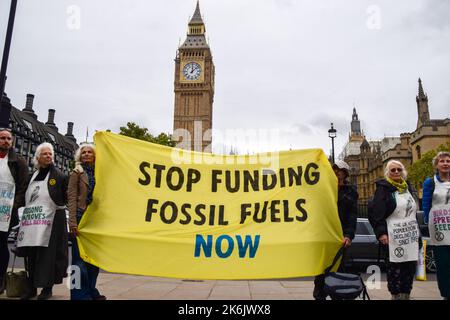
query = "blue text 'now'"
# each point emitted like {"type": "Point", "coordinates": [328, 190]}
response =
{"type": "Point", "coordinates": [206, 245]}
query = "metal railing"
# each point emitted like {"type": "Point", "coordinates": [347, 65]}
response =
{"type": "Point", "coordinates": [362, 210]}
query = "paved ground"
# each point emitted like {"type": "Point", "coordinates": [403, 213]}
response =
{"type": "Point", "coordinates": [127, 287]}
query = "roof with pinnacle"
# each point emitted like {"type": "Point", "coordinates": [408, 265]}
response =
{"type": "Point", "coordinates": [197, 17]}
{"type": "Point", "coordinates": [195, 42]}
{"type": "Point", "coordinates": [365, 144]}
{"type": "Point", "coordinates": [421, 92]}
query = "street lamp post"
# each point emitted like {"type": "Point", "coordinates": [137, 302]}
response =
{"type": "Point", "coordinates": [5, 108]}
{"type": "Point", "coordinates": [332, 135]}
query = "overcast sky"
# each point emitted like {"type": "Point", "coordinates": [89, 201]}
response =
{"type": "Point", "coordinates": [285, 69]}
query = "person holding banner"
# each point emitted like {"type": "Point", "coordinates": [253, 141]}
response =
{"type": "Point", "coordinates": [80, 190]}
{"type": "Point", "coordinates": [347, 209]}
{"type": "Point", "coordinates": [43, 228]}
{"type": "Point", "coordinates": [394, 221]}
{"type": "Point", "coordinates": [436, 205]}
{"type": "Point", "coordinates": [13, 184]}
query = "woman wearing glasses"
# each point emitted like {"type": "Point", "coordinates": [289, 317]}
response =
{"type": "Point", "coordinates": [394, 221]}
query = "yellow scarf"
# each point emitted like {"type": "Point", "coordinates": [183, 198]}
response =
{"type": "Point", "coordinates": [401, 186]}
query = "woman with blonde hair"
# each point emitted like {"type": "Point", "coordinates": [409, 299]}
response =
{"type": "Point", "coordinates": [436, 200]}
{"type": "Point", "coordinates": [394, 221]}
{"type": "Point", "coordinates": [80, 191]}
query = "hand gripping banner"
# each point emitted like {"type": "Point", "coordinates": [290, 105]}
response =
{"type": "Point", "coordinates": [167, 212]}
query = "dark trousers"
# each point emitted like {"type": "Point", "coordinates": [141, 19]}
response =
{"type": "Point", "coordinates": [4, 253]}
{"type": "Point", "coordinates": [400, 276]}
{"type": "Point", "coordinates": [442, 256]}
{"type": "Point", "coordinates": [88, 276]}
{"type": "Point", "coordinates": [4, 250]}
{"type": "Point", "coordinates": [47, 266]}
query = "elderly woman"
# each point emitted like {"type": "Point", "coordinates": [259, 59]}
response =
{"type": "Point", "coordinates": [81, 188]}
{"type": "Point", "coordinates": [395, 223]}
{"type": "Point", "coordinates": [436, 200]}
{"type": "Point", "coordinates": [43, 228]}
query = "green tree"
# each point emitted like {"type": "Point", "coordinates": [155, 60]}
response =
{"type": "Point", "coordinates": [164, 139]}
{"type": "Point", "coordinates": [423, 168]}
{"type": "Point", "coordinates": [134, 131]}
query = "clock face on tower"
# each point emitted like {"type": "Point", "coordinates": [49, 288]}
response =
{"type": "Point", "coordinates": [192, 71]}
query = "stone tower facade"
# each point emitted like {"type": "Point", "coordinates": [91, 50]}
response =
{"type": "Point", "coordinates": [355, 125]}
{"type": "Point", "coordinates": [422, 107]}
{"type": "Point", "coordinates": [194, 89]}
{"type": "Point", "coordinates": [430, 133]}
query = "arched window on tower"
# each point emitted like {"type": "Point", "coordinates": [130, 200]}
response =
{"type": "Point", "coordinates": [419, 153]}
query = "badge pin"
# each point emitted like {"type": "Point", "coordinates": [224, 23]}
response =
{"type": "Point", "coordinates": [439, 236]}
{"type": "Point", "coordinates": [399, 252]}
{"type": "Point", "coordinates": [52, 182]}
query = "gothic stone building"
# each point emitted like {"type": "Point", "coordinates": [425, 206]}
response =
{"type": "Point", "coordinates": [29, 132]}
{"type": "Point", "coordinates": [194, 89]}
{"type": "Point", "coordinates": [429, 133]}
{"type": "Point", "coordinates": [367, 159]}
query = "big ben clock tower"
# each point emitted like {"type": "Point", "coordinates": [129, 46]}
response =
{"type": "Point", "coordinates": [194, 89]}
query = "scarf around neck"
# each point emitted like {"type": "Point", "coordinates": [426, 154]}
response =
{"type": "Point", "coordinates": [401, 186]}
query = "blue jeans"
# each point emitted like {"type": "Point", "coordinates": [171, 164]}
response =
{"type": "Point", "coordinates": [88, 273]}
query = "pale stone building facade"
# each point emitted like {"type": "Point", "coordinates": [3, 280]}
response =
{"type": "Point", "coordinates": [367, 159]}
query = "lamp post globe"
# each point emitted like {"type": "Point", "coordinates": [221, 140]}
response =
{"type": "Point", "coordinates": [332, 133]}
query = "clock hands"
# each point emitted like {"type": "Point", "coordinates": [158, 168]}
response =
{"type": "Point", "coordinates": [192, 71]}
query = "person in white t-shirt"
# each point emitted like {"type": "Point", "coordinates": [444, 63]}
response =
{"type": "Point", "coordinates": [13, 184]}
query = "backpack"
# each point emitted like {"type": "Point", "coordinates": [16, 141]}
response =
{"type": "Point", "coordinates": [343, 286]}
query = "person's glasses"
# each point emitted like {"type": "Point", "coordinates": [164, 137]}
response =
{"type": "Point", "coordinates": [393, 170]}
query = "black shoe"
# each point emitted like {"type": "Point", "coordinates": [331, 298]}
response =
{"type": "Point", "coordinates": [99, 297]}
{"type": "Point", "coordinates": [31, 293]}
{"type": "Point", "coordinates": [45, 294]}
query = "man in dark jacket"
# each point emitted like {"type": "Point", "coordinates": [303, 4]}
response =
{"type": "Point", "coordinates": [17, 170]}
{"type": "Point", "coordinates": [347, 209]}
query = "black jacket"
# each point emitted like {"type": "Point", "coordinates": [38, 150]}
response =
{"type": "Point", "coordinates": [19, 171]}
{"type": "Point", "coordinates": [58, 190]}
{"type": "Point", "coordinates": [48, 265]}
{"type": "Point", "coordinates": [383, 205]}
{"type": "Point", "coordinates": [347, 208]}
{"type": "Point", "coordinates": [57, 185]}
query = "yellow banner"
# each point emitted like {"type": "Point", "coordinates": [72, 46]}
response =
{"type": "Point", "coordinates": [161, 211]}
